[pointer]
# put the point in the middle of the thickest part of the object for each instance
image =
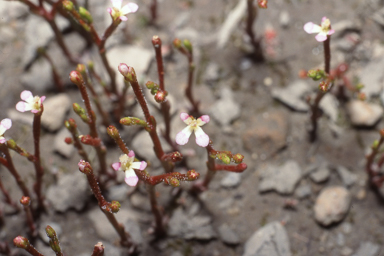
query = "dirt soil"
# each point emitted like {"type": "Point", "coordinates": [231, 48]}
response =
{"type": "Point", "coordinates": [251, 84]}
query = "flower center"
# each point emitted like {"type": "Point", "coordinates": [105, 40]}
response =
{"type": "Point", "coordinates": [325, 25]}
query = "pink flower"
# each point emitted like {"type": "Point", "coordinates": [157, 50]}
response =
{"type": "Point", "coordinates": [202, 138]}
{"type": "Point", "coordinates": [118, 12]}
{"type": "Point", "coordinates": [5, 124]}
{"type": "Point", "coordinates": [30, 102]}
{"type": "Point", "coordinates": [127, 165]}
{"type": "Point", "coordinates": [323, 31]}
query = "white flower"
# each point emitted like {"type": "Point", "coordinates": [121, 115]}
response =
{"type": "Point", "coordinates": [119, 12]}
{"type": "Point", "coordinates": [5, 124]}
{"type": "Point", "coordinates": [30, 103]}
{"type": "Point", "coordinates": [202, 138]}
{"type": "Point", "coordinates": [323, 31]}
{"type": "Point", "coordinates": [128, 165]}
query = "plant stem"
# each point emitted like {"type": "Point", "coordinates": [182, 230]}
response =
{"type": "Point", "coordinates": [252, 14]}
{"type": "Point", "coordinates": [7, 197]}
{"type": "Point", "coordinates": [37, 163]}
{"type": "Point", "coordinates": [159, 228]}
{"type": "Point", "coordinates": [98, 250]}
{"type": "Point", "coordinates": [25, 201]}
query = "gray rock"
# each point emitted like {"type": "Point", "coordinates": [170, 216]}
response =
{"type": "Point", "coordinates": [230, 23]}
{"type": "Point", "coordinates": [332, 205]}
{"type": "Point", "coordinates": [346, 176]}
{"type": "Point", "coordinates": [303, 191]}
{"type": "Point", "coordinates": [141, 202]}
{"type": "Point", "coordinates": [346, 227]}
{"type": "Point", "coordinates": [293, 95]}
{"type": "Point", "coordinates": [363, 113]}
{"type": "Point", "coordinates": [181, 20]}
{"type": "Point", "coordinates": [340, 239]}
{"type": "Point", "coordinates": [55, 109]}
{"type": "Point", "coordinates": [320, 174]}
{"type": "Point", "coordinates": [270, 240]}
{"type": "Point", "coordinates": [283, 179]}
{"type": "Point", "coordinates": [367, 249]}
{"type": "Point", "coordinates": [38, 78]}
{"type": "Point", "coordinates": [378, 16]}
{"type": "Point", "coordinates": [43, 234]}
{"type": "Point", "coordinates": [71, 191]}
{"type": "Point", "coordinates": [231, 180]}
{"type": "Point", "coordinates": [227, 235]}
{"type": "Point", "coordinates": [133, 228]}
{"type": "Point", "coordinates": [15, 115]}
{"type": "Point", "coordinates": [188, 33]}
{"type": "Point", "coordinates": [12, 10]}
{"type": "Point", "coordinates": [329, 105]}
{"type": "Point", "coordinates": [344, 26]}
{"type": "Point", "coordinates": [225, 110]}
{"type": "Point", "coordinates": [212, 73]}
{"type": "Point", "coordinates": [372, 77]}
{"type": "Point", "coordinates": [61, 146]}
{"type": "Point", "coordinates": [284, 19]}
{"type": "Point", "coordinates": [348, 42]}
{"type": "Point", "coordinates": [103, 227]}
{"type": "Point", "coordinates": [118, 193]}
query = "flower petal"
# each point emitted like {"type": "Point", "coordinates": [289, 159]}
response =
{"type": "Point", "coordinates": [25, 95]}
{"type": "Point", "coordinates": [116, 166]}
{"type": "Point", "coordinates": [6, 123]}
{"type": "Point", "coordinates": [131, 153]}
{"type": "Point", "coordinates": [117, 3]}
{"type": "Point", "coordinates": [131, 178]}
{"type": "Point", "coordinates": [311, 28]}
{"type": "Point", "coordinates": [123, 18]}
{"type": "Point", "coordinates": [331, 31]}
{"type": "Point", "coordinates": [129, 8]}
{"type": "Point", "coordinates": [42, 98]}
{"type": "Point", "coordinates": [22, 106]}
{"type": "Point", "coordinates": [183, 136]}
{"type": "Point", "coordinates": [202, 139]}
{"type": "Point", "coordinates": [139, 165]}
{"type": "Point", "coordinates": [205, 118]}
{"type": "Point", "coordinates": [321, 37]}
{"type": "Point", "coordinates": [2, 140]}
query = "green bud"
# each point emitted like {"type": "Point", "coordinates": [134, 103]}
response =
{"type": "Point", "coordinates": [174, 182]}
{"type": "Point", "coordinates": [177, 43]}
{"type": "Point", "coordinates": [11, 144]}
{"type": "Point", "coordinates": [50, 231]}
{"type": "Point", "coordinates": [224, 158]}
{"type": "Point", "coordinates": [128, 121]}
{"type": "Point", "coordinates": [375, 144]}
{"type": "Point", "coordinates": [68, 5]}
{"type": "Point", "coordinates": [193, 175]}
{"type": "Point", "coordinates": [115, 206]}
{"type": "Point", "coordinates": [316, 74]}
{"type": "Point", "coordinates": [150, 85]}
{"type": "Point", "coordinates": [359, 86]}
{"type": "Point", "coordinates": [21, 242]}
{"type": "Point", "coordinates": [187, 44]}
{"type": "Point", "coordinates": [81, 68]}
{"type": "Point", "coordinates": [113, 132]}
{"type": "Point", "coordinates": [238, 158]}
{"type": "Point", "coordinates": [86, 15]}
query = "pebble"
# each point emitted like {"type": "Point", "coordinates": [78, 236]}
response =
{"type": "Point", "coordinates": [346, 251]}
{"type": "Point", "coordinates": [71, 191]}
{"type": "Point", "coordinates": [284, 19]}
{"type": "Point", "coordinates": [212, 73]}
{"type": "Point", "coordinates": [372, 77]}
{"type": "Point", "coordinates": [320, 174]}
{"type": "Point", "coordinates": [41, 72]}
{"type": "Point", "coordinates": [225, 110]}
{"type": "Point", "coordinates": [231, 22]}
{"type": "Point", "coordinates": [346, 228]}
{"type": "Point", "coordinates": [367, 249]}
{"type": "Point", "coordinates": [60, 146]}
{"type": "Point", "coordinates": [343, 26]}
{"type": "Point", "coordinates": [363, 113]}
{"type": "Point", "coordinates": [329, 104]}
{"type": "Point", "coordinates": [293, 95]}
{"type": "Point", "coordinates": [270, 240]}
{"type": "Point", "coordinates": [346, 176]}
{"type": "Point", "coordinates": [140, 201]}
{"type": "Point", "coordinates": [231, 180]}
{"type": "Point", "coordinates": [332, 205]}
{"type": "Point", "coordinates": [283, 179]}
{"type": "Point", "coordinates": [378, 16]}
{"type": "Point", "coordinates": [55, 110]}
{"type": "Point", "coordinates": [227, 235]}
{"type": "Point", "coordinates": [118, 193]}
{"type": "Point", "coordinates": [303, 191]}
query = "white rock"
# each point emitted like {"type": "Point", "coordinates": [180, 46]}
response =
{"type": "Point", "coordinates": [61, 146]}
{"type": "Point", "coordinates": [292, 95]}
{"type": "Point", "coordinates": [363, 113]}
{"type": "Point", "coordinates": [346, 176]}
{"type": "Point", "coordinates": [270, 240]}
{"type": "Point", "coordinates": [231, 180]}
{"type": "Point", "coordinates": [230, 23]}
{"type": "Point", "coordinates": [371, 76]}
{"type": "Point", "coordinates": [332, 205]}
{"type": "Point", "coordinates": [284, 19]}
{"type": "Point", "coordinates": [367, 249]}
{"type": "Point", "coordinates": [225, 110]}
{"type": "Point", "coordinates": [329, 105]}
{"type": "Point", "coordinates": [55, 110]}
{"type": "Point", "coordinates": [38, 78]}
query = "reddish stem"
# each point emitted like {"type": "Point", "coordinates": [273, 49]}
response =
{"type": "Point", "coordinates": [252, 14]}
{"type": "Point", "coordinates": [37, 163]}
{"type": "Point", "coordinates": [72, 127]}
{"type": "Point", "coordinates": [98, 250]}
{"type": "Point", "coordinates": [26, 201]}
{"type": "Point", "coordinates": [7, 197]}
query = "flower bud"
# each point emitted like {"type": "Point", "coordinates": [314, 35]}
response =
{"type": "Point", "coordinates": [50, 231]}
{"type": "Point", "coordinates": [90, 65]}
{"type": "Point", "coordinates": [150, 85]}
{"type": "Point", "coordinates": [86, 15]}
{"type": "Point", "coordinates": [174, 182]}
{"type": "Point", "coordinates": [262, 4]}
{"type": "Point", "coordinates": [76, 78]}
{"type": "Point", "coordinates": [238, 158]}
{"type": "Point", "coordinates": [21, 242]}
{"type": "Point", "coordinates": [25, 200]}
{"type": "Point", "coordinates": [11, 144]}
{"type": "Point", "coordinates": [68, 5]}
{"type": "Point", "coordinates": [113, 132]}
{"type": "Point", "coordinates": [156, 41]}
{"type": "Point", "coordinates": [316, 74]}
{"type": "Point", "coordinates": [361, 96]}
{"type": "Point", "coordinates": [84, 167]}
{"type": "Point", "coordinates": [81, 112]}
{"type": "Point", "coordinates": [224, 158]}
{"type": "Point", "coordinates": [128, 121]}
{"type": "Point", "coordinates": [177, 43]}
{"type": "Point", "coordinates": [68, 140]}
{"type": "Point", "coordinates": [382, 133]}
{"type": "Point", "coordinates": [160, 96]}
{"type": "Point", "coordinates": [375, 144]}
{"type": "Point", "coordinates": [187, 44]}
{"type": "Point", "coordinates": [115, 206]}
{"type": "Point", "coordinates": [123, 69]}
{"type": "Point", "coordinates": [359, 86]}
{"type": "Point", "coordinates": [193, 175]}
{"type": "Point", "coordinates": [81, 68]}
{"type": "Point", "coordinates": [323, 86]}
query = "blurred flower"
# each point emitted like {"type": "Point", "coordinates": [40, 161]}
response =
{"type": "Point", "coordinates": [30, 103]}
{"type": "Point", "coordinates": [202, 138]}
{"type": "Point", "coordinates": [323, 31]}
{"type": "Point", "coordinates": [128, 165]}
{"type": "Point", "coordinates": [5, 124]}
{"type": "Point", "coordinates": [119, 12]}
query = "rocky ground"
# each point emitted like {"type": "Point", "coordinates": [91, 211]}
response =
{"type": "Point", "coordinates": [295, 198]}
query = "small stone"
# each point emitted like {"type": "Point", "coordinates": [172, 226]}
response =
{"type": "Point", "coordinates": [55, 110]}
{"type": "Point", "coordinates": [118, 193]}
{"type": "Point", "coordinates": [283, 179]}
{"type": "Point", "coordinates": [38, 78]}
{"type": "Point", "coordinates": [231, 180]}
{"type": "Point", "coordinates": [60, 146]}
{"type": "Point", "coordinates": [320, 174]}
{"type": "Point", "coordinates": [293, 95]}
{"type": "Point", "coordinates": [343, 26]}
{"type": "Point", "coordinates": [43, 234]}
{"type": "Point", "coordinates": [134, 230]}
{"type": "Point", "coordinates": [363, 113]}
{"type": "Point", "coordinates": [346, 176]}
{"type": "Point", "coordinates": [329, 104]}
{"type": "Point", "coordinates": [346, 227]}
{"type": "Point", "coordinates": [270, 240]}
{"type": "Point", "coordinates": [212, 73]}
{"type": "Point", "coordinates": [227, 235]}
{"type": "Point", "coordinates": [303, 191]}
{"type": "Point", "coordinates": [284, 19]}
{"type": "Point", "coordinates": [372, 77]}
{"type": "Point", "coordinates": [71, 191]}
{"type": "Point", "coordinates": [361, 194]}
{"type": "Point", "coordinates": [225, 110]}
{"type": "Point", "coordinates": [332, 205]}
{"type": "Point", "coordinates": [340, 239]}
{"type": "Point", "coordinates": [141, 202]}
{"type": "Point", "coordinates": [378, 16]}
{"type": "Point", "coordinates": [346, 251]}
{"type": "Point", "coordinates": [367, 249]}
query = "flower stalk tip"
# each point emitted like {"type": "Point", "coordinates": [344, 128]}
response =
{"type": "Point", "coordinates": [30, 102]}
{"type": "Point", "coordinates": [194, 125]}
{"type": "Point", "coordinates": [119, 12]}
{"type": "Point", "coordinates": [323, 31]}
{"type": "Point", "coordinates": [127, 164]}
